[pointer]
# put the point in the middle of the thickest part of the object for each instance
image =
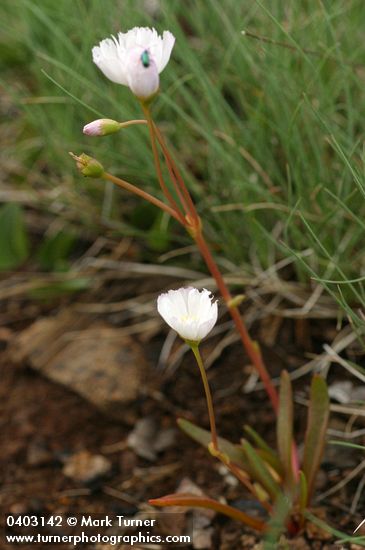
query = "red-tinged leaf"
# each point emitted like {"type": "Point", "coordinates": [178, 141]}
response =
{"type": "Point", "coordinates": [233, 452]}
{"type": "Point", "coordinates": [193, 501]}
{"type": "Point", "coordinates": [318, 414]}
{"type": "Point", "coordinates": [260, 471]}
{"type": "Point", "coordinates": [284, 427]}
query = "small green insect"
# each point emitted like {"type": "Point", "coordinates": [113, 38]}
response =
{"type": "Point", "coordinates": [145, 58]}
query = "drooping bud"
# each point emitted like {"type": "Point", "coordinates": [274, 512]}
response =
{"type": "Point", "coordinates": [102, 127]}
{"type": "Point", "coordinates": [88, 166]}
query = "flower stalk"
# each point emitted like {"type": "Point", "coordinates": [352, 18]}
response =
{"type": "Point", "coordinates": [252, 347]}
{"type": "Point", "coordinates": [194, 227]}
{"type": "Point", "coordinates": [147, 113]}
{"type": "Point", "coordinates": [141, 193]}
{"type": "Point", "coordinates": [208, 395]}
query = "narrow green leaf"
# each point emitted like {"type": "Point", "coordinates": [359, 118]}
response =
{"type": "Point", "coordinates": [193, 501]}
{"type": "Point", "coordinates": [342, 537]}
{"type": "Point", "coordinates": [272, 460]}
{"type": "Point", "coordinates": [234, 452]}
{"type": "Point", "coordinates": [264, 450]}
{"type": "Point", "coordinates": [347, 444]}
{"type": "Point", "coordinates": [260, 472]}
{"type": "Point", "coordinates": [318, 414]}
{"type": "Point", "coordinates": [257, 439]}
{"type": "Point", "coordinates": [303, 491]}
{"type": "Point", "coordinates": [284, 427]}
{"type": "Point", "coordinates": [14, 246]}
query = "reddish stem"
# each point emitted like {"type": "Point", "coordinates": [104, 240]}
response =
{"type": "Point", "coordinates": [251, 347]}
{"type": "Point", "coordinates": [137, 191]}
{"type": "Point", "coordinates": [177, 178]}
{"type": "Point", "coordinates": [193, 225]}
{"type": "Point", "coordinates": [163, 186]}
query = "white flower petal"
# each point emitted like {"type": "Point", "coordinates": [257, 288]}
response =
{"type": "Point", "coordinates": [205, 327]}
{"type": "Point", "coordinates": [168, 43]}
{"type": "Point", "coordinates": [120, 58]}
{"type": "Point", "coordinates": [190, 312]}
{"type": "Point", "coordinates": [179, 300]}
{"type": "Point", "coordinates": [165, 310]}
{"type": "Point", "coordinates": [194, 300]}
{"type": "Point", "coordinates": [107, 57]}
{"type": "Point", "coordinates": [143, 81]}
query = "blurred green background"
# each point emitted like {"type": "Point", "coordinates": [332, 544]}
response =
{"type": "Point", "coordinates": [267, 129]}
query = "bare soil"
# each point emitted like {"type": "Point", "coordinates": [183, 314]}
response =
{"type": "Point", "coordinates": [44, 424]}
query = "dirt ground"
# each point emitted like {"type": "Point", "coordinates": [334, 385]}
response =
{"type": "Point", "coordinates": [47, 430]}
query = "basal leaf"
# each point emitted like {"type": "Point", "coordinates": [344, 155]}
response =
{"type": "Point", "coordinates": [193, 501]}
{"type": "Point", "coordinates": [318, 414]}
{"type": "Point", "coordinates": [303, 491]}
{"type": "Point", "coordinates": [284, 427]}
{"type": "Point", "coordinates": [264, 450]}
{"type": "Point", "coordinates": [234, 452]}
{"type": "Point", "coordinates": [260, 472]}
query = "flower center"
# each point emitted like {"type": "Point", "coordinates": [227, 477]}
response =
{"type": "Point", "coordinates": [188, 318]}
{"type": "Point", "coordinates": [145, 58]}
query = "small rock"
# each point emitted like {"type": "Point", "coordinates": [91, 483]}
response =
{"type": "Point", "coordinates": [203, 532]}
{"type": "Point", "coordinates": [187, 486]}
{"type": "Point", "coordinates": [103, 365]}
{"type": "Point", "coordinates": [147, 439]}
{"type": "Point", "coordinates": [346, 392]}
{"type": "Point", "coordinates": [85, 467]}
{"type": "Point", "coordinates": [227, 476]}
{"type": "Point", "coordinates": [38, 454]}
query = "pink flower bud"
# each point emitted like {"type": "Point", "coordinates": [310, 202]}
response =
{"type": "Point", "coordinates": [101, 127]}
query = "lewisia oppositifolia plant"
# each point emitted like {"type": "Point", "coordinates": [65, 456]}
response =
{"type": "Point", "coordinates": [281, 482]}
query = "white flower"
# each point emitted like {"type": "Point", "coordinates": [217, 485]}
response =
{"type": "Point", "coordinates": [135, 59]}
{"type": "Point", "coordinates": [188, 311]}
